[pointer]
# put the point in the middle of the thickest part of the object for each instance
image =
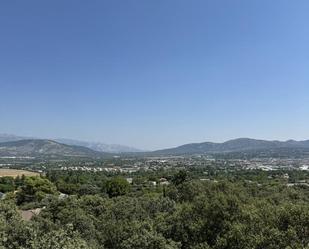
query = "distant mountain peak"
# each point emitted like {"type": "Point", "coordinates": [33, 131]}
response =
{"type": "Point", "coordinates": [101, 147]}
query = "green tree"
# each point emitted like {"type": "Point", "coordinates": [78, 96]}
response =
{"type": "Point", "coordinates": [180, 177]}
{"type": "Point", "coordinates": [34, 189]}
{"type": "Point", "coordinates": [59, 239]}
{"type": "Point", "coordinates": [117, 186]}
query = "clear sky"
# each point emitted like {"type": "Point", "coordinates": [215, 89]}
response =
{"type": "Point", "coordinates": [155, 74]}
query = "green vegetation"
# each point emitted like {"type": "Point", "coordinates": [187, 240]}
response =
{"type": "Point", "coordinates": [246, 210]}
{"type": "Point", "coordinates": [34, 189]}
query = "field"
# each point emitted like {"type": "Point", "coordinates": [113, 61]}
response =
{"type": "Point", "coordinates": [16, 172]}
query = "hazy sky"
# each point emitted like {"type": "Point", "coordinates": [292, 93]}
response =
{"type": "Point", "coordinates": [155, 74]}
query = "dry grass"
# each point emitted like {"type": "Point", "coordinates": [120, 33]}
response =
{"type": "Point", "coordinates": [16, 172]}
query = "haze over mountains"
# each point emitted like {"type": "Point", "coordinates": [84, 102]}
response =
{"type": "Point", "coordinates": [96, 146]}
{"type": "Point", "coordinates": [44, 148]}
{"type": "Point", "coordinates": [101, 147]}
{"type": "Point", "coordinates": [11, 138]}
{"type": "Point", "coordinates": [11, 145]}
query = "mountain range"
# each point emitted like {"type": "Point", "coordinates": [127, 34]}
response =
{"type": "Point", "coordinates": [12, 138]}
{"type": "Point", "coordinates": [44, 148]}
{"type": "Point", "coordinates": [236, 145]}
{"type": "Point", "coordinates": [101, 147]}
{"type": "Point", "coordinates": [14, 146]}
{"type": "Point", "coordinates": [96, 146]}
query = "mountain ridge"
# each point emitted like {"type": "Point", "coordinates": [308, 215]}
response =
{"type": "Point", "coordinates": [234, 145]}
{"type": "Point", "coordinates": [96, 146]}
{"type": "Point", "coordinates": [44, 148]}
{"type": "Point", "coordinates": [48, 147]}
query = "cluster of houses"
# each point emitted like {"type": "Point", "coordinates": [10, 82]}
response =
{"type": "Point", "coordinates": [161, 182]}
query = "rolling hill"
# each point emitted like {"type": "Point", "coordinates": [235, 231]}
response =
{"type": "Point", "coordinates": [44, 148]}
{"type": "Point", "coordinates": [236, 145]}
{"type": "Point", "coordinates": [56, 149]}
{"type": "Point", "coordinates": [96, 146]}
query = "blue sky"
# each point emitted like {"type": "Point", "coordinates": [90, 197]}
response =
{"type": "Point", "coordinates": [155, 74]}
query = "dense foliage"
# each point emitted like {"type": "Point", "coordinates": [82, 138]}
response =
{"type": "Point", "coordinates": [107, 212]}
